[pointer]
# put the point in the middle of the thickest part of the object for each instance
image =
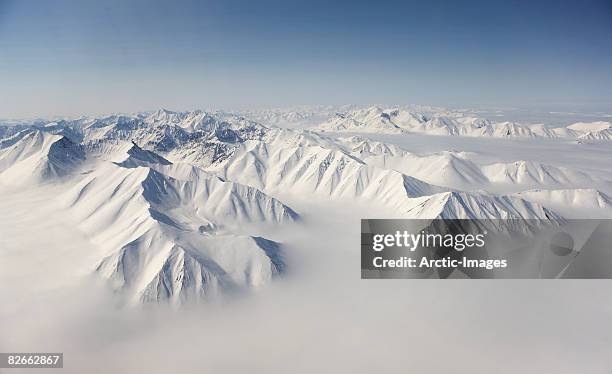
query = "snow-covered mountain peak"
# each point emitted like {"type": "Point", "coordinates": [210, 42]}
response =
{"type": "Point", "coordinates": [141, 157]}
{"type": "Point", "coordinates": [38, 156]}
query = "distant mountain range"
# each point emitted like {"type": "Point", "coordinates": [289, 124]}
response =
{"type": "Point", "coordinates": [173, 201]}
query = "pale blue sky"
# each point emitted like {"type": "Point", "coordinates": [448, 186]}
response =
{"type": "Point", "coordinates": [89, 57]}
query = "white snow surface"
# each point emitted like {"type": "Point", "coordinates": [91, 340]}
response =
{"type": "Point", "coordinates": [180, 206]}
{"type": "Point", "coordinates": [248, 224]}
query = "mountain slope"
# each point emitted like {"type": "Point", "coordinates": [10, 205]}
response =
{"type": "Point", "coordinates": [463, 205]}
{"type": "Point", "coordinates": [532, 173]}
{"type": "Point", "coordinates": [320, 171]}
{"type": "Point", "coordinates": [163, 238]}
{"type": "Point", "coordinates": [573, 203]}
{"type": "Point", "coordinates": [39, 157]}
{"type": "Point", "coordinates": [327, 174]}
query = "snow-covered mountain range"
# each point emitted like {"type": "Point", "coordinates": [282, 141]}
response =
{"type": "Point", "coordinates": [176, 205]}
{"type": "Point", "coordinates": [398, 120]}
